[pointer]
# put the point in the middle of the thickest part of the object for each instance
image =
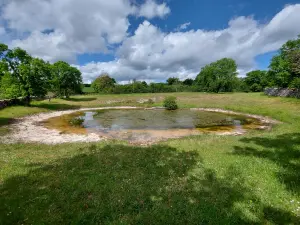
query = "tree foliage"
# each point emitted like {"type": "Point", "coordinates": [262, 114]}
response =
{"type": "Point", "coordinates": [3, 63]}
{"type": "Point", "coordinates": [28, 74]}
{"type": "Point", "coordinates": [103, 83]}
{"type": "Point", "coordinates": [9, 87]}
{"type": "Point", "coordinates": [285, 67]}
{"type": "Point", "coordinates": [173, 80]}
{"type": "Point", "coordinates": [65, 79]}
{"type": "Point", "coordinates": [294, 59]}
{"type": "Point", "coordinates": [256, 80]}
{"type": "Point", "coordinates": [219, 76]}
{"type": "Point", "coordinates": [24, 76]}
{"type": "Point", "coordinates": [188, 82]}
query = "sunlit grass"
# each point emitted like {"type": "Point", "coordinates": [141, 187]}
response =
{"type": "Point", "coordinates": [208, 179]}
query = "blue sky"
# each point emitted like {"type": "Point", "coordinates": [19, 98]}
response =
{"type": "Point", "coordinates": [149, 39]}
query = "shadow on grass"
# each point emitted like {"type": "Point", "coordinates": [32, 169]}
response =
{"type": "Point", "coordinates": [119, 184]}
{"type": "Point", "coordinates": [4, 122]}
{"type": "Point", "coordinates": [284, 150]}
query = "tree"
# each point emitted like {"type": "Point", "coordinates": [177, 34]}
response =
{"type": "Point", "coordinates": [173, 80]}
{"type": "Point", "coordinates": [294, 59]}
{"type": "Point", "coordinates": [3, 62]}
{"type": "Point", "coordinates": [279, 72]}
{"type": "Point", "coordinates": [9, 87]}
{"type": "Point", "coordinates": [66, 79]}
{"type": "Point", "coordinates": [3, 49]}
{"type": "Point", "coordinates": [256, 80]}
{"type": "Point", "coordinates": [219, 76]}
{"type": "Point", "coordinates": [28, 75]}
{"type": "Point", "coordinates": [103, 83]}
{"type": "Point", "coordinates": [188, 82]}
{"type": "Point", "coordinates": [242, 86]}
{"type": "Point", "coordinates": [285, 67]}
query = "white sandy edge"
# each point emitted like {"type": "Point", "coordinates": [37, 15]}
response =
{"type": "Point", "coordinates": [28, 129]}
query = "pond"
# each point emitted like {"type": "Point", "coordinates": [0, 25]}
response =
{"type": "Point", "coordinates": [148, 125]}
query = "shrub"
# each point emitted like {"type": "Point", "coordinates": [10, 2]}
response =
{"type": "Point", "coordinates": [76, 122]}
{"type": "Point", "coordinates": [170, 103]}
{"type": "Point", "coordinates": [295, 83]}
{"type": "Point", "coordinates": [150, 101]}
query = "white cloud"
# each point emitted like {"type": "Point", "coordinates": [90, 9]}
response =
{"type": "Point", "coordinates": [60, 30]}
{"type": "Point", "coordinates": [153, 54]}
{"type": "Point", "coordinates": [151, 9]}
{"type": "Point", "coordinates": [78, 26]}
{"type": "Point", "coordinates": [125, 73]}
{"type": "Point", "coordinates": [183, 26]}
{"type": "Point", "coordinates": [50, 46]}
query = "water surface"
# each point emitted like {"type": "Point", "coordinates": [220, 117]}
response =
{"type": "Point", "coordinates": [144, 125]}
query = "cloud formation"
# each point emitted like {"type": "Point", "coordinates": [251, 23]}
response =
{"type": "Point", "coordinates": [152, 54]}
{"type": "Point", "coordinates": [183, 26]}
{"type": "Point", "coordinates": [60, 30]}
{"type": "Point", "coordinates": [151, 9]}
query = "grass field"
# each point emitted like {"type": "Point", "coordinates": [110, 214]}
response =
{"type": "Point", "coordinates": [88, 90]}
{"type": "Point", "coordinates": [208, 179]}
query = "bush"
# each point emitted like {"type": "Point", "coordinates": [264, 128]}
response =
{"type": "Point", "coordinates": [256, 88]}
{"type": "Point", "coordinates": [150, 101]}
{"type": "Point", "coordinates": [295, 83]}
{"type": "Point", "coordinates": [76, 122]}
{"type": "Point", "coordinates": [170, 103]}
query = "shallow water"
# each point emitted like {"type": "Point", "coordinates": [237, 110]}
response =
{"type": "Point", "coordinates": [158, 119]}
{"type": "Point", "coordinates": [144, 125]}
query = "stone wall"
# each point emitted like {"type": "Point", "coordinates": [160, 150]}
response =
{"type": "Point", "coordinates": [283, 92]}
{"type": "Point", "coordinates": [9, 102]}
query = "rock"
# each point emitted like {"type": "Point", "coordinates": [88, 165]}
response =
{"type": "Point", "coordinates": [283, 92]}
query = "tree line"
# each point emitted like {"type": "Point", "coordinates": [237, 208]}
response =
{"type": "Point", "coordinates": [22, 75]}
{"type": "Point", "coordinates": [220, 76]}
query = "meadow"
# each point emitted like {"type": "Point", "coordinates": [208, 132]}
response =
{"type": "Point", "coordinates": [205, 179]}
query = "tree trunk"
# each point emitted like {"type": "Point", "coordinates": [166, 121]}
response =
{"type": "Point", "coordinates": [27, 100]}
{"type": "Point", "coordinates": [67, 94]}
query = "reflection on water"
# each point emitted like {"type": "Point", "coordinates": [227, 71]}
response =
{"type": "Point", "coordinates": [139, 125]}
{"type": "Point", "coordinates": [158, 119]}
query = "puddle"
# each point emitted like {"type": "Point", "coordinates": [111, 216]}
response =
{"type": "Point", "coordinates": [150, 125]}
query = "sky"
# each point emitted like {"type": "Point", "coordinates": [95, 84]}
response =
{"type": "Point", "coordinates": [149, 40]}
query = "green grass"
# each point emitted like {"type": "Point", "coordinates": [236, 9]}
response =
{"type": "Point", "coordinates": [208, 179]}
{"type": "Point", "coordinates": [88, 90]}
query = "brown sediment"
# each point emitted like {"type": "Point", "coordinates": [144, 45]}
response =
{"type": "Point", "coordinates": [62, 123]}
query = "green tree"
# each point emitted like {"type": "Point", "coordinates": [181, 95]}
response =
{"type": "Point", "coordinates": [294, 59]}
{"type": "Point", "coordinates": [29, 75]}
{"type": "Point", "coordinates": [3, 49]}
{"type": "Point", "coordinates": [219, 76]}
{"type": "Point", "coordinates": [295, 83]}
{"type": "Point", "coordinates": [242, 86]}
{"type": "Point", "coordinates": [256, 80]}
{"type": "Point", "coordinates": [279, 73]}
{"type": "Point", "coordinates": [173, 80]}
{"type": "Point", "coordinates": [3, 62]}
{"type": "Point", "coordinates": [285, 67]}
{"type": "Point", "coordinates": [9, 87]}
{"type": "Point", "coordinates": [188, 82]}
{"type": "Point", "coordinates": [103, 83]}
{"type": "Point", "coordinates": [66, 80]}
